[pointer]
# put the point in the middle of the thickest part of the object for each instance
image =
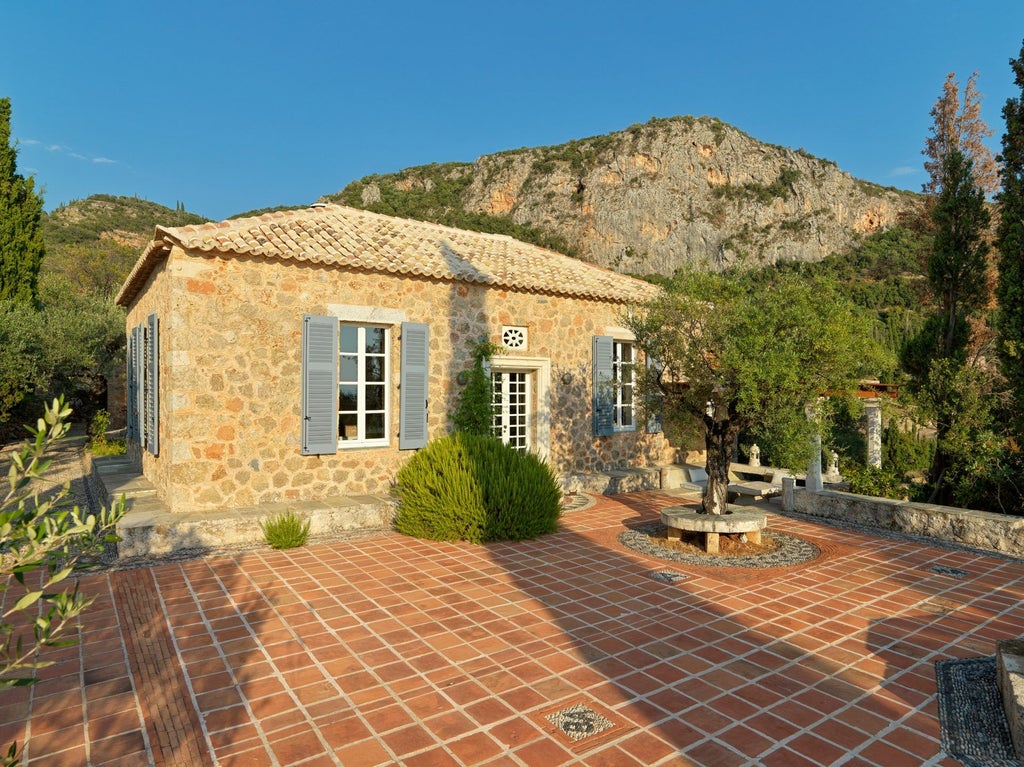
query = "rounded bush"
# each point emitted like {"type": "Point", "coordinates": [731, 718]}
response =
{"type": "Point", "coordinates": [474, 488]}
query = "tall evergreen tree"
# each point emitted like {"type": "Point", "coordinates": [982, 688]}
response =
{"type": "Point", "coordinates": [956, 274]}
{"type": "Point", "coordinates": [956, 267]}
{"type": "Point", "coordinates": [21, 210]}
{"type": "Point", "coordinates": [1010, 286]}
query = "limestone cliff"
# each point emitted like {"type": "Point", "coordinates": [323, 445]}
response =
{"type": "Point", "coordinates": [650, 199]}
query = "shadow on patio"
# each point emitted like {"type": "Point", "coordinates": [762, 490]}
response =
{"type": "Point", "coordinates": [388, 650]}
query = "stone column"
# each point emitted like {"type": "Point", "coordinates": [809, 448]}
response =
{"type": "Point", "coordinates": [813, 482]}
{"type": "Point", "coordinates": [873, 412]}
{"type": "Point", "coordinates": [788, 490]}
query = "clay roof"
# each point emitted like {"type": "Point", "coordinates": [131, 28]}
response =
{"type": "Point", "coordinates": [348, 237]}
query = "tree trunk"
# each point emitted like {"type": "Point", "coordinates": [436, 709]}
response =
{"type": "Point", "coordinates": [718, 440]}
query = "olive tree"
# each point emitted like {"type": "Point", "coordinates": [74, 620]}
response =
{"type": "Point", "coordinates": [738, 351]}
{"type": "Point", "coordinates": [43, 540]}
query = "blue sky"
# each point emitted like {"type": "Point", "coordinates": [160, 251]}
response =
{"type": "Point", "coordinates": [228, 106]}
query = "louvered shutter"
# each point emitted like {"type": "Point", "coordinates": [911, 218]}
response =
{"type": "Point", "coordinates": [140, 380]}
{"type": "Point", "coordinates": [604, 387]}
{"type": "Point", "coordinates": [153, 384]}
{"type": "Point", "coordinates": [319, 385]}
{"type": "Point", "coordinates": [655, 397]}
{"type": "Point", "coordinates": [414, 376]}
{"type": "Point", "coordinates": [129, 387]}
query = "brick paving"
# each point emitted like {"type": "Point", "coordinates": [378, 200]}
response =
{"type": "Point", "coordinates": [386, 650]}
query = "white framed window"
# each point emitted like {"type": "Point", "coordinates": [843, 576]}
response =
{"type": "Point", "coordinates": [363, 375]}
{"type": "Point", "coordinates": [624, 382]}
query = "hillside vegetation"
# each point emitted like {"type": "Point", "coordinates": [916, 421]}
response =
{"type": "Point", "coordinates": [93, 243]}
{"type": "Point", "coordinates": [658, 196]}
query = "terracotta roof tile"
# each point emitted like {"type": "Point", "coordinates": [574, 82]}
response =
{"type": "Point", "coordinates": [337, 235]}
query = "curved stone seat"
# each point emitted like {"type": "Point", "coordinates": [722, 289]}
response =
{"type": "Point", "coordinates": [679, 518]}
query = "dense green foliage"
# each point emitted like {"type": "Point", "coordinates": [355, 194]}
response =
{"type": "Point", "coordinates": [474, 488]}
{"type": "Point", "coordinates": [878, 482]}
{"type": "Point", "coordinates": [71, 338]}
{"type": "Point", "coordinates": [66, 346]}
{"type": "Point", "coordinates": [44, 540]}
{"type": "Point", "coordinates": [21, 209]}
{"type": "Point", "coordinates": [956, 266]}
{"type": "Point", "coordinates": [749, 349]}
{"type": "Point", "coordinates": [1010, 286]}
{"type": "Point", "coordinates": [93, 243]}
{"type": "Point", "coordinates": [474, 413]}
{"type": "Point", "coordinates": [948, 384]}
{"type": "Point", "coordinates": [287, 530]}
{"type": "Point", "coordinates": [99, 442]}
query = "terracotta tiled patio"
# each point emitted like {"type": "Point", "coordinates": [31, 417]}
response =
{"type": "Point", "coordinates": [386, 650]}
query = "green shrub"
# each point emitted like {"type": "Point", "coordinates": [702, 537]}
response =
{"type": "Point", "coordinates": [285, 531]}
{"type": "Point", "coordinates": [474, 413]}
{"type": "Point", "coordinates": [98, 442]}
{"type": "Point", "coordinates": [904, 452]}
{"type": "Point", "coordinates": [878, 483]}
{"type": "Point", "coordinates": [474, 488]}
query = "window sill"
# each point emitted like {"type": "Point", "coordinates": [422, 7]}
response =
{"type": "Point", "coordinates": [351, 444]}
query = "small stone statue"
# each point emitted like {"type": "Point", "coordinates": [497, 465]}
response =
{"type": "Point", "coordinates": [833, 475]}
{"type": "Point", "coordinates": [755, 455]}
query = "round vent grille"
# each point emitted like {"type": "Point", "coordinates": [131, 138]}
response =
{"type": "Point", "coordinates": [513, 337]}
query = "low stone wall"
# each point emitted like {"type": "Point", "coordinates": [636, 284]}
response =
{"type": "Point", "coordinates": [981, 529]}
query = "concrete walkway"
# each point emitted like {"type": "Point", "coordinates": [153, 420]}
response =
{"type": "Point", "coordinates": [386, 650]}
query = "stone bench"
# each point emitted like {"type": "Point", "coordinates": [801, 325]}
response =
{"type": "Point", "coordinates": [679, 518]}
{"type": "Point", "coordinates": [751, 491]}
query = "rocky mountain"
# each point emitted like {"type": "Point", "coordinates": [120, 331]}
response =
{"type": "Point", "coordinates": [650, 199]}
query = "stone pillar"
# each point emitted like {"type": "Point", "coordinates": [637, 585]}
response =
{"type": "Point", "coordinates": [873, 412]}
{"type": "Point", "coordinates": [755, 456]}
{"type": "Point", "coordinates": [788, 489]}
{"type": "Point", "coordinates": [813, 482]}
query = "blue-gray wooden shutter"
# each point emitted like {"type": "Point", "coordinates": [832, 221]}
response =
{"type": "Point", "coordinates": [654, 399]}
{"type": "Point", "coordinates": [412, 388]}
{"type": "Point", "coordinates": [319, 385]}
{"type": "Point", "coordinates": [140, 380]}
{"type": "Point", "coordinates": [153, 384]}
{"type": "Point", "coordinates": [129, 387]}
{"type": "Point", "coordinates": [604, 386]}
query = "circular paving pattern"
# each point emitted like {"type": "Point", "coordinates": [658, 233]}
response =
{"type": "Point", "coordinates": [789, 550]}
{"type": "Point", "coordinates": [577, 501]}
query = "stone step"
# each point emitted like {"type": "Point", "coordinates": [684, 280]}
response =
{"type": "Point", "coordinates": [150, 529]}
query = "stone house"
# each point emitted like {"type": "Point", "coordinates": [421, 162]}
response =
{"type": "Point", "coordinates": [303, 355]}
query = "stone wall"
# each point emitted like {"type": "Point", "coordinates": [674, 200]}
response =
{"type": "Point", "coordinates": [998, 532]}
{"type": "Point", "coordinates": [230, 361]}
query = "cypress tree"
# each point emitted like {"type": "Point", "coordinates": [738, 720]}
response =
{"type": "Point", "coordinates": [1010, 286]}
{"type": "Point", "coordinates": [956, 267]}
{"type": "Point", "coordinates": [21, 209]}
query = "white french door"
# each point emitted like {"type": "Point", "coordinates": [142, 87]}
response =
{"type": "Point", "coordinates": [510, 403]}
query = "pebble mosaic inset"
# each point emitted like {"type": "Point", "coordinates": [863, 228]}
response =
{"type": "Point", "coordinates": [952, 572]}
{"type": "Point", "coordinates": [789, 550]}
{"type": "Point", "coordinates": [579, 722]}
